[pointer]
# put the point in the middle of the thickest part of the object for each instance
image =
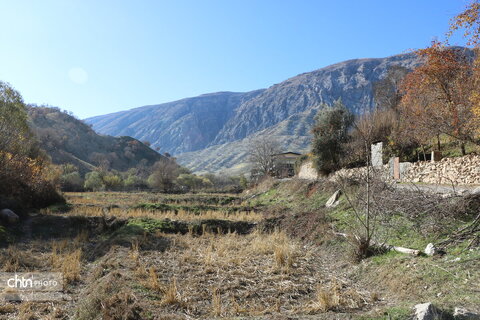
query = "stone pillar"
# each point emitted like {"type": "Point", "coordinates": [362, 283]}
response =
{"type": "Point", "coordinates": [436, 156]}
{"type": "Point", "coordinates": [390, 167]}
{"type": "Point", "coordinates": [396, 168]}
{"type": "Point", "coordinates": [377, 150]}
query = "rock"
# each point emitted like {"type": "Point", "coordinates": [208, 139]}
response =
{"type": "Point", "coordinates": [475, 191]}
{"type": "Point", "coordinates": [333, 201]}
{"type": "Point", "coordinates": [462, 314]}
{"type": "Point", "coordinates": [427, 311]}
{"type": "Point", "coordinates": [8, 216]}
{"type": "Point", "coordinates": [430, 250]}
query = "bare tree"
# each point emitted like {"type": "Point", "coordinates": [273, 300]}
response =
{"type": "Point", "coordinates": [364, 195]}
{"type": "Point", "coordinates": [163, 175]}
{"type": "Point", "coordinates": [373, 197]}
{"type": "Point", "coordinates": [261, 151]}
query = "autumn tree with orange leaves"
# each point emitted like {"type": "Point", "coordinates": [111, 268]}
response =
{"type": "Point", "coordinates": [26, 174]}
{"type": "Point", "coordinates": [469, 22]}
{"type": "Point", "coordinates": [436, 95]}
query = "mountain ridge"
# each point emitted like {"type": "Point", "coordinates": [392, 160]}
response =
{"type": "Point", "coordinates": [188, 127]}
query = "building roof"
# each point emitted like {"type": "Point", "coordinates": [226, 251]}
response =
{"type": "Point", "coordinates": [286, 153]}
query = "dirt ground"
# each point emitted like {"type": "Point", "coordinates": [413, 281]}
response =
{"type": "Point", "coordinates": [124, 258]}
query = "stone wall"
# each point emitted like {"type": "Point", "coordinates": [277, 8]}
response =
{"type": "Point", "coordinates": [463, 170]}
{"type": "Point", "coordinates": [307, 171]}
{"type": "Point", "coordinates": [457, 171]}
{"type": "Point", "coordinates": [359, 173]}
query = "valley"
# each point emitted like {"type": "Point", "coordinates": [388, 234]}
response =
{"type": "Point", "coordinates": [350, 191]}
{"type": "Point", "coordinates": [269, 253]}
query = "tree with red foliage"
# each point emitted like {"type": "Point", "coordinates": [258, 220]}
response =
{"type": "Point", "coordinates": [437, 94]}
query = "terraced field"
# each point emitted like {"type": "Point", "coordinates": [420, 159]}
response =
{"type": "Point", "coordinates": [266, 254]}
{"type": "Point", "coordinates": [154, 256]}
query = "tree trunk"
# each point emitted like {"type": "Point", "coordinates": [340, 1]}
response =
{"type": "Point", "coordinates": [462, 147]}
{"type": "Point", "coordinates": [438, 143]}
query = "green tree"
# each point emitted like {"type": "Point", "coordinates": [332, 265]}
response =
{"type": "Point", "coordinates": [133, 182]}
{"type": "Point", "coordinates": [113, 182]}
{"type": "Point", "coordinates": [15, 135]}
{"type": "Point", "coordinates": [243, 182]}
{"type": "Point", "coordinates": [330, 135]}
{"type": "Point", "coordinates": [70, 179]}
{"type": "Point", "coordinates": [193, 182]}
{"type": "Point", "coordinates": [94, 181]}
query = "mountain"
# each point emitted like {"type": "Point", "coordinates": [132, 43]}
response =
{"type": "Point", "coordinates": [181, 126]}
{"type": "Point", "coordinates": [69, 140]}
{"type": "Point", "coordinates": [212, 132]}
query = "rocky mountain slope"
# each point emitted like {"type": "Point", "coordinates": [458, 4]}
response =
{"type": "Point", "coordinates": [69, 140]}
{"type": "Point", "coordinates": [212, 132]}
{"type": "Point", "coordinates": [181, 126]}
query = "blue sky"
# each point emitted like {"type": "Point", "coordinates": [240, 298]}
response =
{"type": "Point", "coordinates": [97, 57]}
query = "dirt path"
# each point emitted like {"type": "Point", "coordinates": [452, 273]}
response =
{"type": "Point", "coordinates": [439, 189]}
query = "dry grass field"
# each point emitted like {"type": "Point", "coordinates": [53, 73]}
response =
{"type": "Point", "coordinates": [154, 256]}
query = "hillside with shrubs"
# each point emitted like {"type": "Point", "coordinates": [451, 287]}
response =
{"type": "Point", "coordinates": [69, 140]}
{"type": "Point", "coordinates": [27, 175]}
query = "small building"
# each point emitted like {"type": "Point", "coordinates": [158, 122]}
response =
{"type": "Point", "coordinates": [284, 164]}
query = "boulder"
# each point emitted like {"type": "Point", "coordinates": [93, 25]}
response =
{"type": "Point", "coordinates": [430, 250]}
{"type": "Point", "coordinates": [427, 311]}
{"type": "Point", "coordinates": [462, 314]}
{"type": "Point", "coordinates": [8, 216]}
{"type": "Point", "coordinates": [333, 201]}
{"type": "Point", "coordinates": [475, 191]}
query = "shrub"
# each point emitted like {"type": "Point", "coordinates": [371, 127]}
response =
{"type": "Point", "coordinates": [94, 181]}
{"type": "Point", "coordinates": [193, 182]}
{"type": "Point", "coordinates": [134, 182]}
{"type": "Point", "coordinates": [71, 182]}
{"type": "Point", "coordinates": [30, 181]}
{"type": "Point", "coordinates": [113, 182]}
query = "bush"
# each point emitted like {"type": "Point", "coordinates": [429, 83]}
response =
{"type": "Point", "coordinates": [29, 181]}
{"type": "Point", "coordinates": [134, 182]}
{"type": "Point", "coordinates": [94, 181]}
{"type": "Point", "coordinates": [193, 182]}
{"type": "Point", "coordinates": [71, 182]}
{"type": "Point", "coordinates": [113, 182]}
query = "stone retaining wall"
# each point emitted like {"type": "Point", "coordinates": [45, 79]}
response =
{"type": "Point", "coordinates": [457, 171]}
{"type": "Point", "coordinates": [359, 173]}
{"type": "Point", "coordinates": [462, 170]}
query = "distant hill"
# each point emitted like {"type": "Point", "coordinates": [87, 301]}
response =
{"type": "Point", "coordinates": [69, 140]}
{"type": "Point", "coordinates": [212, 132]}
